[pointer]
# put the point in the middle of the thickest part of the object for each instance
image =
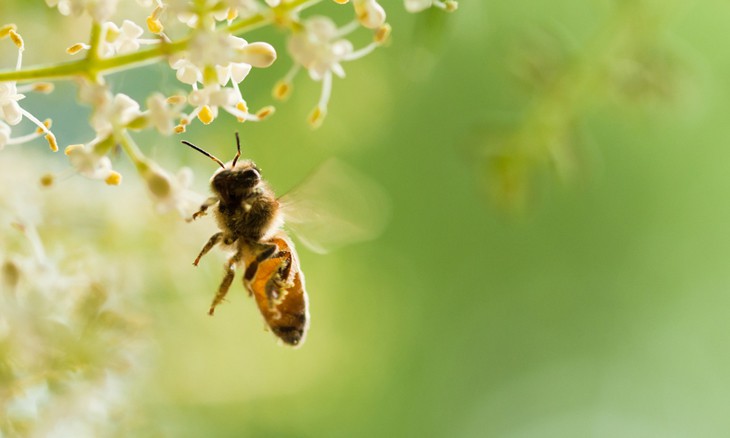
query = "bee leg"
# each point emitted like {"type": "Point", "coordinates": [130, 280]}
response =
{"type": "Point", "coordinates": [214, 239]}
{"type": "Point", "coordinates": [203, 208]}
{"type": "Point", "coordinates": [226, 283]}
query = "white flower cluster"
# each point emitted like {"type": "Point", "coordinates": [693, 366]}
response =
{"type": "Point", "coordinates": [11, 113]}
{"type": "Point", "coordinates": [70, 345]}
{"type": "Point", "coordinates": [210, 60]}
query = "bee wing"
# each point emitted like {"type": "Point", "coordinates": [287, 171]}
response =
{"type": "Point", "coordinates": [335, 206]}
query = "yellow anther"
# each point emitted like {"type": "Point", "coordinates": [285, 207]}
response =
{"type": "Point", "coordinates": [179, 129]}
{"type": "Point", "coordinates": [5, 30]}
{"type": "Point", "coordinates": [17, 39]}
{"type": "Point", "coordinates": [76, 48]}
{"type": "Point", "coordinates": [265, 112]}
{"type": "Point", "coordinates": [47, 123]}
{"type": "Point", "coordinates": [43, 87]}
{"type": "Point", "coordinates": [451, 6]}
{"type": "Point", "coordinates": [316, 117]}
{"type": "Point", "coordinates": [232, 14]}
{"type": "Point", "coordinates": [206, 115]}
{"type": "Point", "coordinates": [176, 100]}
{"type": "Point", "coordinates": [241, 106]}
{"type": "Point", "coordinates": [71, 148]}
{"type": "Point", "coordinates": [282, 90]}
{"type": "Point", "coordinates": [342, 2]}
{"type": "Point", "coordinates": [47, 180]}
{"type": "Point", "coordinates": [382, 35]}
{"type": "Point", "coordinates": [111, 34]}
{"type": "Point", "coordinates": [51, 139]}
{"type": "Point", "coordinates": [154, 25]}
{"type": "Point", "coordinates": [114, 179]}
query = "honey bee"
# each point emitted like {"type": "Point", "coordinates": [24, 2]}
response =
{"type": "Point", "coordinates": [332, 207]}
{"type": "Point", "coordinates": [250, 219]}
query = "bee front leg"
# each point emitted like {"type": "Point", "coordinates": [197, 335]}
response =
{"type": "Point", "coordinates": [202, 211]}
{"type": "Point", "coordinates": [214, 240]}
{"type": "Point", "coordinates": [226, 283]}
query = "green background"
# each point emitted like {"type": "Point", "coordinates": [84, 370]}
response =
{"type": "Point", "coordinates": [599, 308]}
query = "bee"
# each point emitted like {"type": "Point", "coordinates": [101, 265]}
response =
{"type": "Point", "coordinates": [336, 205]}
{"type": "Point", "coordinates": [249, 217]}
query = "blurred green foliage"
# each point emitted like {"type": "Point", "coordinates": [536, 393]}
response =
{"type": "Point", "coordinates": [594, 308]}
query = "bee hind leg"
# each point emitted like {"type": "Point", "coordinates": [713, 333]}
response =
{"type": "Point", "coordinates": [214, 240]}
{"type": "Point", "coordinates": [265, 251]}
{"type": "Point", "coordinates": [226, 283]}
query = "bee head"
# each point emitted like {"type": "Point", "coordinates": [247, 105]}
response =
{"type": "Point", "coordinates": [235, 182]}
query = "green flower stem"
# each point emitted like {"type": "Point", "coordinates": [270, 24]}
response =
{"type": "Point", "coordinates": [91, 65]}
{"type": "Point", "coordinates": [131, 149]}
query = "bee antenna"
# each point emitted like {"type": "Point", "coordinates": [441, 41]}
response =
{"type": "Point", "coordinates": [238, 154]}
{"type": "Point", "coordinates": [207, 154]}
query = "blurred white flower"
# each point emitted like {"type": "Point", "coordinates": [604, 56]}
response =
{"type": "Point", "coordinates": [420, 5]}
{"type": "Point", "coordinates": [161, 114]}
{"type": "Point", "coordinates": [87, 162]}
{"type": "Point", "coordinates": [113, 112]}
{"type": "Point", "coordinates": [10, 110]}
{"type": "Point", "coordinates": [70, 345]}
{"type": "Point", "coordinates": [171, 193]}
{"type": "Point", "coordinates": [100, 10]}
{"type": "Point", "coordinates": [369, 13]}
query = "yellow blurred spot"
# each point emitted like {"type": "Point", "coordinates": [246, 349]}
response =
{"type": "Point", "coordinates": [451, 6]}
{"type": "Point", "coordinates": [179, 129]}
{"type": "Point", "coordinates": [47, 180]}
{"type": "Point", "coordinates": [282, 90]}
{"type": "Point", "coordinates": [382, 34]}
{"type": "Point", "coordinates": [265, 112]}
{"type": "Point", "coordinates": [342, 2]}
{"type": "Point", "coordinates": [114, 179]}
{"type": "Point", "coordinates": [176, 100]}
{"type": "Point", "coordinates": [232, 14]}
{"type": "Point", "coordinates": [71, 148]}
{"type": "Point", "coordinates": [43, 87]}
{"type": "Point", "coordinates": [316, 117]}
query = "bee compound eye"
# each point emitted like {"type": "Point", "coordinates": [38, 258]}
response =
{"type": "Point", "coordinates": [251, 174]}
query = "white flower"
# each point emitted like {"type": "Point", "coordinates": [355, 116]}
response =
{"type": "Point", "coordinates": [88, 163]}
{"type": "Point", "coordinates": [185, 71]}
{"type": "Point", "coordinates": [115, 112]}
{"type": "Point", "coordinates": [230, 56]}
{"type": "Point", "coordinates": [417, 5]}
{"type": "Point", "coordinates": [420, 5]}
{"type": "Point", "coordinates": [123, 39]}
{"type": "Point", "coordinates": [10, 110]}
{"type": "Point", "coordinates": [207, 100]}
{"type": "Point", "coordinates": [171, 193]}
{"type": "Point", "coordinates": [4, 134]}
{"type": "Point", "coordinates": [319, 49]}
{"type": "Point", "coordinates": [369, 13]}
{"type": "Point", "coordinates": [100, 10]}
{"type": "Point", "coordinates": [161, 114]}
